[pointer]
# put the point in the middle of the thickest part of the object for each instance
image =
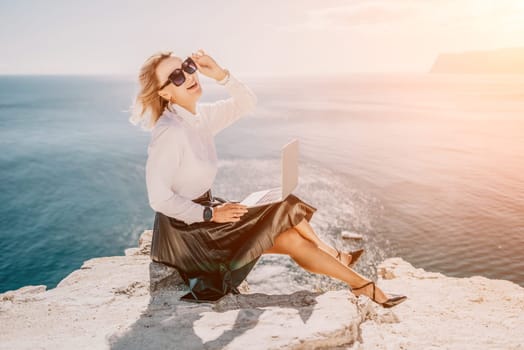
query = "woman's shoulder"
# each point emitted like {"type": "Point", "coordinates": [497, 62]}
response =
{"type": "Point", "coordinates": [166, 128]}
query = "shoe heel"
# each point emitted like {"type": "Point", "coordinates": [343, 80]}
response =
{"type": "Point", "coordinates": [355, 255]}
{"type": "Point", "coordinates": [394, 300]}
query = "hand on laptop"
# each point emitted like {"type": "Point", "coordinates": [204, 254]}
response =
{"type": "Point", "coordinates": [228, 212]}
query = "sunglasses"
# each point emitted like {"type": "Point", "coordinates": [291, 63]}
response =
{"type": "Point", "coordinates": [177, 76]}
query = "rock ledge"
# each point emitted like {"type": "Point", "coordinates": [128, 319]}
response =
{"type": "Point", "coordinates": [130, 302]}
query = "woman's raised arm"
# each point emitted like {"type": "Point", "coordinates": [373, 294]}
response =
{"type": "Point", "coordinates": [222, 113]}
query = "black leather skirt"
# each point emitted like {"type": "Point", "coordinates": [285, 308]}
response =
{"type": "Point", "coordinates": [214, 258]}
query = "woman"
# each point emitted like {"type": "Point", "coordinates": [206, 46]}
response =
{"type": "Point", "coordinates": [214, 243]}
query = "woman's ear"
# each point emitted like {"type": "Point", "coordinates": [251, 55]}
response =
{"type": "Point", "coordinates": [164, 95]}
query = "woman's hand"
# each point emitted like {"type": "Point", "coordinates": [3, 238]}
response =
{"type": "Point", "coordinates": [228, 212]}
{"type": "Point", "coordinates": [207, 65]}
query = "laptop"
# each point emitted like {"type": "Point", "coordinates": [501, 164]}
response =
{"type": "Point", "coordinates": [289, 179]}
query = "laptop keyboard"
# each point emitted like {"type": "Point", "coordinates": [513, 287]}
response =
{"type": "Point", "coordinates": [271, 196]}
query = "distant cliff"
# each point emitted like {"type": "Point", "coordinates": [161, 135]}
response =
{"type": "Point", "coordinates": [500, 61]}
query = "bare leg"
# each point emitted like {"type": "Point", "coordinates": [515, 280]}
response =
{"type": "Point", "coordinates": [309, 256]}
{"type": "Point", "coordinates": [305, 229]}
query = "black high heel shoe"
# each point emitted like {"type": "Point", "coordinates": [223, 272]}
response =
{"type": "Point", "coordinates": [395, 299]}
{"type": "Point", "coordinates": [355, 255]}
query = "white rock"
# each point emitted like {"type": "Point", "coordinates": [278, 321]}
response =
{"type": "Point", "coordinates": [130, 302]}
{"type": "Point", "coordinates": [351, 235]}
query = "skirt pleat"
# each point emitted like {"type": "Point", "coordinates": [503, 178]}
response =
{"type": "Point", "coordinates": [214, 258]}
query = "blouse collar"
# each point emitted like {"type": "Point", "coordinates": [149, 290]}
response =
{"type": "Point", "coordinates": [184, 114]}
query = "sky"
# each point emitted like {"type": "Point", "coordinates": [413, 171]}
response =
{"type": "Point", "coordinates": [270, 37]}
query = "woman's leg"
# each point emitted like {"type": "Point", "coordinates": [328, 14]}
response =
{"type": "Point", "coordinates": [309, 256]}
{"type": "Point", "coordinates": [305, 229]}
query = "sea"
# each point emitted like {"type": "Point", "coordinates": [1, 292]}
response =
{"type": "Point", "coordinates": [426, 167]}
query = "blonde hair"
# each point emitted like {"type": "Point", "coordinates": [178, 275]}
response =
{"type": "Point", "coordinates": [148, 106]}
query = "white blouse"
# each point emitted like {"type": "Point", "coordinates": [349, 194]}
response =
{"type": "Point", "coordinates": [182, 159]}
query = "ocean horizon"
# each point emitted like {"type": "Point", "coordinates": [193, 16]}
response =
{"type": "Point", "coordinates": [427, 167]}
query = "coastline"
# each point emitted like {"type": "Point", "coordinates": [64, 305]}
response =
{"type": "Point", "coordinates": [131, 302]}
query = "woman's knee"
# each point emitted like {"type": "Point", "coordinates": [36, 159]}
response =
{"type": "Point", "coordinates": [282, 242]}
{"type": "Point", "coordinates": [290, 240]}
